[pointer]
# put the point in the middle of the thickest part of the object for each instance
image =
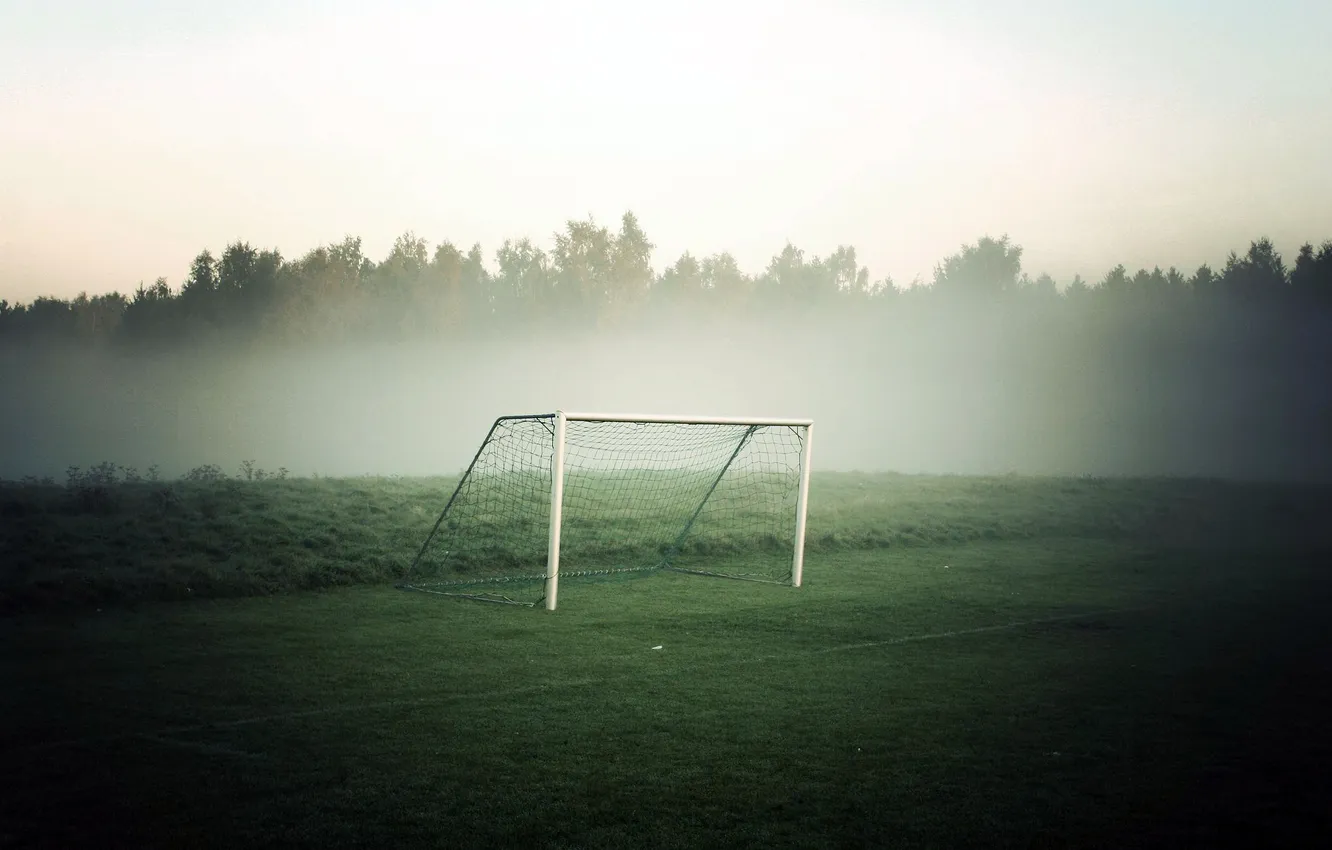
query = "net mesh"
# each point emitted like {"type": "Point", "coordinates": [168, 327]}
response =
{"type": "Point", "coordinates": [638, 496]}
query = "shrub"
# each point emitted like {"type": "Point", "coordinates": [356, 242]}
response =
{"type": "Point", "coordinates": [207, 472]}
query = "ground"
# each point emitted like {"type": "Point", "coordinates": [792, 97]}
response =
{"type": "Point", "coordinates": [1053, 690]}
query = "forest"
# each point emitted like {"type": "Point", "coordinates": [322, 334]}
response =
{"type": "Point", "coordinates": [596, 278]}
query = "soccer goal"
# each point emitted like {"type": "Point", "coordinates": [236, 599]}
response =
{"type": "Point", "coordinates": [593, 495]}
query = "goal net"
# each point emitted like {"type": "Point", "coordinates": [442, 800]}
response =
{"type": "Point", "coordinates": [558, 496]}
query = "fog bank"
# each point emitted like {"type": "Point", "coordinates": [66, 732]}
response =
{"type": "Point", "coordinates": [967, 394]}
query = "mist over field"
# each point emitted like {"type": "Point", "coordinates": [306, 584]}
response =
{"type": "Point", "coordinates": [1134, 143]}
{"type": "Point", "coordinates": [1053, 280]}
{"type": "Point", "coordinates": [955, 391]}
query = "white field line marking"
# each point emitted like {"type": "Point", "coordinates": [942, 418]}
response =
{"type": "Point", "coordinates": [980, 630]}
{"type": "Point", "coordinates": [201, 746]}
{"type": "Point", "coordinates": [351, 708]}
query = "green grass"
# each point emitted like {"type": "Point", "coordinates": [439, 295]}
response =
{"type": "Point", "coordinates": [107, 544]}
{"type": "Point", "coordinates": [972, 662]}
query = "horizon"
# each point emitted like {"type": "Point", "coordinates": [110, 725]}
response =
{"type": "Point", "coordinates": [1142, 135]}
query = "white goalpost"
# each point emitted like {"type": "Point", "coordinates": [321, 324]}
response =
{"type": "Point", "coordinates": [595, 495]}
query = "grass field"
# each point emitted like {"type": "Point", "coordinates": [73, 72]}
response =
{"type": "Point", "coordinates": [972, 662]}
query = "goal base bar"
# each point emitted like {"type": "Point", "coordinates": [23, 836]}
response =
{"type": "Point", "coordinates": [479, 597]}
{"type": "Point", "coordinates": [785, 582]}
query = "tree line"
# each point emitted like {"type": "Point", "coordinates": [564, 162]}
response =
{"type": "Point", "coordinates": [595, 278]}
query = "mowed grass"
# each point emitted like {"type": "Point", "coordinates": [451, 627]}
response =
{"type": "Point", "coordinates": [971, 662]}
{"type": "Point", "coordinates": [100, 544]}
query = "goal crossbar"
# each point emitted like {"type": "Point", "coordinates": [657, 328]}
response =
{"type": "Point", "coordinates": [684, 420]}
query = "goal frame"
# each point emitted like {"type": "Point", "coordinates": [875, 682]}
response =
{"type": "Point", "coordinates": [561, 419]}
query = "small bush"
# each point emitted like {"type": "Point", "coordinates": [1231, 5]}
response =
{"type": "Point", "coordinates": [165, 499]}
{"type": "Point", "coordinates": [251, 472]}
{"type": "Point", "coordinates": [92, 490]}
{"type": "Point", "coordinates": [207, 472]}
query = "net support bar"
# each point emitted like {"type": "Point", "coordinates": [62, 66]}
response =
{"type": "Point", "coordinates": [730, 460]}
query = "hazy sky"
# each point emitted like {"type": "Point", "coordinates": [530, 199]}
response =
{"type": "Point", "coordinates": [135, 133]}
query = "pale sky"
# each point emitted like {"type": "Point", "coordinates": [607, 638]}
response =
{"type": "Point", "coordinates": [135, 133]}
